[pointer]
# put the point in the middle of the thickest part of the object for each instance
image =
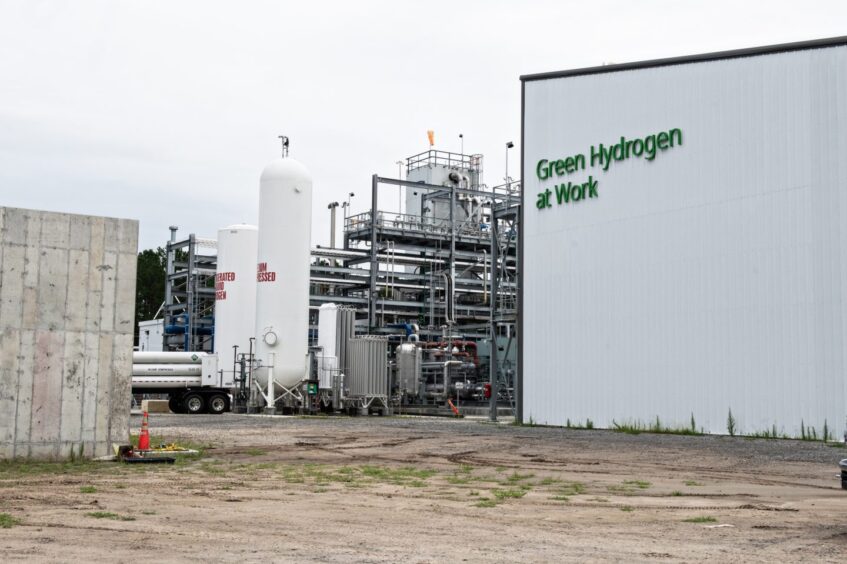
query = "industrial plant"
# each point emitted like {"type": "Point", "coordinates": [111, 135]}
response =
{"type": "Point", "coordinates": [414, 312]}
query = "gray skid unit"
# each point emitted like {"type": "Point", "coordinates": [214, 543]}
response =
{"type": "Point", "coordinates": [368, 358]}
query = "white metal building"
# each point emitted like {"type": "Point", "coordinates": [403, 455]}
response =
{"type": "Point", "coordinates": [696, 263]}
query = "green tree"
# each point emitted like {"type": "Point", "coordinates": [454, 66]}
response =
{"type": "Point", "coordinates": [150, 284]}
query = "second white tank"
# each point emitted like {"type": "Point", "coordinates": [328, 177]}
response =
{"type": "Point", "coordinates": [235, 291]}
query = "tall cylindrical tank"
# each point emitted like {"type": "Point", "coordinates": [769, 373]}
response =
{"type": "Point", "coordinates": [235, 291]}
{"type": "Point", "coordinates": [282, 272]}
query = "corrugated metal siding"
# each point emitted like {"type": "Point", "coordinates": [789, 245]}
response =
{"type": "Point", "coordinates": [712, 278]}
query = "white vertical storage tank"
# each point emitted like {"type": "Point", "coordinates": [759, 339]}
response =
{"type": "Point", "coordinates": [282, 289]}
{"type": "Point", "coordinates": [235, 291]}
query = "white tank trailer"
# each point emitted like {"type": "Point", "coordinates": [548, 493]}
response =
{"type": "Point", "coordinates": [190, 379]}
{"type": "Point", "coordinates": [235, 292]}
{"type": "Point", "coordinates": [282, 276]}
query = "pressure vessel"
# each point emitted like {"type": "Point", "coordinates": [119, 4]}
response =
{"type": "Point", "coordinates": [235, 292]}
{"type": "Point", "coordinates": [282, 272]}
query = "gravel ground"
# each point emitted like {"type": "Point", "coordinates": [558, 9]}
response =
{"type": "Point", "coordinates": [389, 489]}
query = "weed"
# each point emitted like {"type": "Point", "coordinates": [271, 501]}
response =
{"type": "Point", "coordinates": [825, 434]}
{"type": "Point", "coordinates": [255, 452]}
{"type": "Point", "coordinates": [465, 468]}
{"type": "Point", "coordinates": [500, 469]}
{"type": "Point", "coordinates": [627, 508]}
{"type": "Point", "coordinates": [486, 502]}
{"type": "Point", "coordinates": [110, 515]}
{"type": "Point", "coordinates": [120, 486]}
{"type": "Point", "coordinates": [701, 519]}
{"type": "Point", "coordinates": [560, 498]}
{"type": "Point", "coordinates": [731, 424]}
{"type": "Point", "coordinates": [640, 484]}
{"type": "Point", "coordinates": [629, 486]}
{"type": "Point", "coordinates": [509, 494]}
{"type": "Point", "coordinates": [547, 481]}
{"type": "Point", "coordinates": [87, 489]}
{"type": "Point", "coordinates": [147, 512]}
{"type": "Point", "coordinates": [677, 493]}
{"type": "Point", "coordinates": [692, 483]}
{"type": "Point", "coordinates": [693, 423]}
{"type": "Point", "coordinates": [515, 477]}
{"type": "Point", "coordinates": [7, 521]}
{"type": "Point", "coordinates": [571, 488]}
{"type": "Point", "coordinates": [638, 427]}
{"type": "Point", "coordinates": [473, 493]}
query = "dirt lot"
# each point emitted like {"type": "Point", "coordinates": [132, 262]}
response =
{"type": "Point", "coordinates": [429, 490]}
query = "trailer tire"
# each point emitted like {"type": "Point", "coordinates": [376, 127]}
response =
{"type": "Point", "coordinates": [193, 403]}
{"type": "Point", "coordinates": [175, 405]}
{"type": "Point", "coordinates": [217, 404]}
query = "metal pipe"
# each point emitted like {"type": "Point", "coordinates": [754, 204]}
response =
{"type": "Point", "coordinates": [447, 365]}
{"type": "Point", "coordinates": [271, 407]}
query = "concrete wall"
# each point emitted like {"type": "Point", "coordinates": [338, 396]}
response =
{"type": "Point", "coordinates": [67, 301]}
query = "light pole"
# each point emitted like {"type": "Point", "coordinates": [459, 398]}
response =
{"type": "Point", "coordinates": [509, 145]}
{"type": "Point", "coordinates": [331, 207]}
{"type": "Point", "coordinates": [462, 140]}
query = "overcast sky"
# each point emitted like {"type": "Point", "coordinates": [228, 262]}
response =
{"type": "Point", "coordinates": [167, 111]}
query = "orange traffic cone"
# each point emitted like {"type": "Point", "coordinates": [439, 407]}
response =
{"type": "Point", "coordinates": [144, 437]}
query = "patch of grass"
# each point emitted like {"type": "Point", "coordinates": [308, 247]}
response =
{"type": "Point", "coordinates": [589, 424]}
{"type": "Point", "coordinates": [473, 493]}
{"type": "Point", "coordinates": [547, 481]}
{"type": "Point", "coordinates": [87, 489]}
{"type": "Point", "coordinates": [627, 508]}
{"type": "Point", "coordinates": [628, 487]}
{"type": "Point", "coordinates": [27, 467]}
{"type": "Point", "coordinates": [7, 521]}
{"type": "Point", "coordinates": [456, 479]}
{"type": "Point", "coordinates": [701, 519]}
{"type": "Point", "coordinates": [500, 469]}
{"type": "Point", "coordinates": [640, 484]}
{"type": "Point", "coordinates": [692, 483]}
{"type": "Point", "coordinates": [636, 427]}
{"type": "Point", "coordinates": [120, 486]}
{"type": "Point", "coordinates": [148, 512]}
{"type": "Point", "coordinates": [599, 499]}
{"type": "Point", "coordinates": [677, 493]}
{"type": "Point", "coordinates": [514, 478]}
{"type": "Point", "coordinates": [560, 498]}
{"type": "Point", "coordinates": [255, 452]}
{"type": "Point", "coordinates": [486, 502]}
{"type": "Point", "coordinates": [511, 493]}
{"type": "Point", "coordinates": [110, 515]}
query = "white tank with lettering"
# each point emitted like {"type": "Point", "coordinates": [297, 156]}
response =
{"type": "Point", "coordinates": [235, 292]}
{"type": "Point", "coordinates": [282, 272]}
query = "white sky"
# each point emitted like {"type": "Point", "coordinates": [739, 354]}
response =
{"type": "Point", "coordinates": [167, 111]}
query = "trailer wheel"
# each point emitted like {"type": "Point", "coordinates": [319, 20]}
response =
{"type": "Point", "coordinates": [217, 404]}
{"type": "Point", "coordinates": [174, 405]}
{"type": "Point", "coordinates": [193, 403]}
